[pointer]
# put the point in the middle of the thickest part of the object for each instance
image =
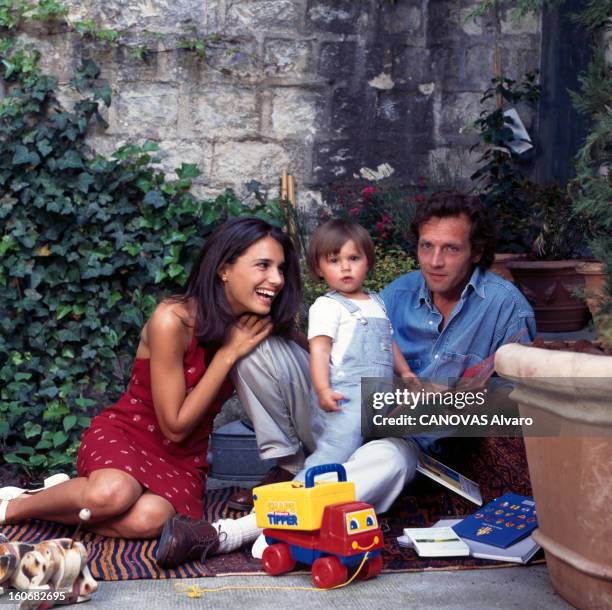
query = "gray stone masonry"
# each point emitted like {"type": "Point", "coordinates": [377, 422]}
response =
{"type": "Point", "coordinates": [321, 87]}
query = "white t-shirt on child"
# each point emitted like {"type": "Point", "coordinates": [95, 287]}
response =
{"type": "Point", "coordinates": [329, 318]}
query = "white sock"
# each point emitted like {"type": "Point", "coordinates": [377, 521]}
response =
{"type": "Point", "coordinates": [259, 546]}
{"type": "Point", "coordinates": [237, 532]}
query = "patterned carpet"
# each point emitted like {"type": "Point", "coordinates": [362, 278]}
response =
{"type": "Point", "coordinates": [498, 464]}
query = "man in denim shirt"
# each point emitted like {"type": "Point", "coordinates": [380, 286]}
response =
{"type": "Point", "coordinates": [453, 313]}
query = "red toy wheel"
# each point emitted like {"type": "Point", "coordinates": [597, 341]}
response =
{"type": "Point", "coordinates": [371, 569]}
{"type": "Point", "coordinates": [276, 559]}
{"type": "Point", "coordinates": [328, 572]}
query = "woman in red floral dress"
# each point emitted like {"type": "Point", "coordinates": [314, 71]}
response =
{"type": "Point", "coordinates": [144, 458]}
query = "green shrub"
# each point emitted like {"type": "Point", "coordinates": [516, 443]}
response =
{"type": "Point", "coordinates": [87, 246]}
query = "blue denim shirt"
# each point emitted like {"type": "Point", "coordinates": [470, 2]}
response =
{"type": "Point", "coordinates": [489, 313]}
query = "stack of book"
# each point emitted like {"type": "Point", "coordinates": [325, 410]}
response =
{"type": "Point", "coordinates": [499, 531]}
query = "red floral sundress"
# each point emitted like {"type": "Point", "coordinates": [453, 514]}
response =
{"type": "Point", "coordinates": [127, 436]}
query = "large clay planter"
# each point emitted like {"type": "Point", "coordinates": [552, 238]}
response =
{"type": "Point", "coordinates": [549, 287]}
{"type": "Point", "coordinates": [500, 262]}
{"type": "Point", "coordinates": [594, 284]}
{"type": "Point", "coordinates": [571, 474]}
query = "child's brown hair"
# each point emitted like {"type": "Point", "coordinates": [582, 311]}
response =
{"type": "Point", "coordinates": [331, 236]}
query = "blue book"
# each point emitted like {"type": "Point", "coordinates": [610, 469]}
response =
{"type": "Point", "coordinates": [500, 523]}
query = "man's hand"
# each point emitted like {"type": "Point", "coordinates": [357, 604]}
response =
{"type": "Point", "coordinates": [414, 384]}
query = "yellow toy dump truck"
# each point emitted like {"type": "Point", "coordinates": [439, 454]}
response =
{"type": "Point", "coordinates": [319, 524]}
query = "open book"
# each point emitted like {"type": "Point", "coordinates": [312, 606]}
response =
{"type": "Point", "coordinates": [521, 552]}
{"type": "Point", "coordinates": [477, 375]}
{"type": "Point", "coordinates": [448, 477]}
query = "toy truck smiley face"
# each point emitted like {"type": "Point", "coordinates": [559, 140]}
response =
{"type": "Point", "coordinates": [350, 528]}
{"type": "Point", "coordinates": [358, 522]}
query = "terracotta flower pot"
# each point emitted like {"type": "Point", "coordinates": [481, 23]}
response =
{"type": "Point", "coordinates": [571, 474]}
{"type": "Point", "coordinates": [500, 262]}
{"type": "Point", "coordinates": [549, 287]}
{"type": "Point", "coordinates": [594, 284]}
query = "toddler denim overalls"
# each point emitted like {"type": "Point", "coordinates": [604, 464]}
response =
{"type": "Point", "coordinates": [369, 354]}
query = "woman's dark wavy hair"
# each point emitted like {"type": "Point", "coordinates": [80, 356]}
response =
{"type": "Point", "coordinates": [449, 203]}
{"type": "Point", "coordinates": [224, 245]}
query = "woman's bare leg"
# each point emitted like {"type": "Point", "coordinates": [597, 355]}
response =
{"type": "Point", "coordinates": [106, 493]}
{"type": "Point", "coordinates": [144, 519]}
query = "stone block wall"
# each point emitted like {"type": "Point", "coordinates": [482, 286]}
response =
{"type": "Point", "coordinates": [322, 87]}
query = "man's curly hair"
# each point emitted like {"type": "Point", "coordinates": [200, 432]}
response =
{"type": "Point", "coordinates": [445, 204]}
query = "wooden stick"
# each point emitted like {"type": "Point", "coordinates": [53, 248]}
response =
{"type": "Point", "coordinates": [290, 190]}
{"type": "Point", "coordinates": [292, 227]}
{"type": "Point", "coordinates": [84, 515]}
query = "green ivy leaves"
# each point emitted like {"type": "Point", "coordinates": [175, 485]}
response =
{"type": "Point", "coordinates": [88, 245]}
{"type": "Point", "coordinates": [24, 156]}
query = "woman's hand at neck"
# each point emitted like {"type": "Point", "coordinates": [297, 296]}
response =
{"type": "Point", "coordinates": [246, 334]}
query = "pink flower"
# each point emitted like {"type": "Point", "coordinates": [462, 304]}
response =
{"type": "Point", "coordinates": [420, 197]}
{"type": "Point", "coordinates": [367, 192]}
{"type": "Point", "coordinates": [386, 219]}
{"type": "Point", "coordinates": [380, 227]}
{"type": "Point", "coordinates": [354, 211]}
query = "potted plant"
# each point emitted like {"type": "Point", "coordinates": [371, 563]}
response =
{"type": "Point", "coordinates": [574, 523]}
{"type": "Point", "coordinates": [554, 234]}
{"type": "Point", "coordinates": [571, 473]}
{"type": "Point", "coordinates": [594, 275]}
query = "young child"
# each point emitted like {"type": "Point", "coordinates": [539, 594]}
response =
{"type": "Point", "coordinates": [350, 337]}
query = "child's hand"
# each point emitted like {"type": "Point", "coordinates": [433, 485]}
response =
{"type": "Point", "coordinates": [328, 399]}
{"type": "Point", "coordinates": [400, 366]}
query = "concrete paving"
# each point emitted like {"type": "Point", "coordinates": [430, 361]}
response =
{"type": "Point", "coordinates": [523, 588]}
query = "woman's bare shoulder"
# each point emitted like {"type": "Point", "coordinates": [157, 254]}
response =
{"type": "Point", "coordinates": [171, 321]}
{"type": "Point", "coordinates": [173, 314]}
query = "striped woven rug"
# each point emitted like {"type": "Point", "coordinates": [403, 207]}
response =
{"type": "Point", "coordinates": [499, 465]}
{"type": "Point", "coordinates": [120, 559]}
